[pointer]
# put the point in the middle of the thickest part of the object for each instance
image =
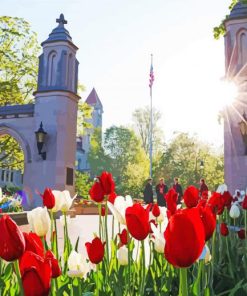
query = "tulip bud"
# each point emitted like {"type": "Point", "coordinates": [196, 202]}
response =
{"type": "Point", "coordinates": [224, 229]}
{"type": "Point", "coordinates": [95, 250]}
{"type": "Point", "coordinates": [48, 199]}
{"type": "Point", "coordinates": [123, 237]}
{"type": "Point", "coordinates": [12, 241]}
{"type": "Point", "coordinates": [77, 265]}
{"type": "Point", "coordinates": [156, 210]}
{"type": "Point", "coordinates": [241, 234]}
{"type": "Point", "coordinates": [39, 221]}
{"type": "Point", "coordinates": [122, 255]}
{"type": "Point", "coordinates": [234, 211]}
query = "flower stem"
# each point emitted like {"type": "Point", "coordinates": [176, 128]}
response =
{"type": "Point", "coordinates": [18, 274]}
{"type": "Point", "coordinates": [183, 287]}
{"type": "Point", "coordinates": [143, 269]}
{"type": "Point", "coordinates": [56, 242]}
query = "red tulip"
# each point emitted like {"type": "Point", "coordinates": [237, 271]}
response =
{"type": "Point", "coordinates": [107, 183]}
{"type": "Point", "coordinates": [56, 271]}
{"type": "Point", "coordinates": [34, 243]}
{"type": "Point", "coordinates": [244, 204]}
{"type": "Point", "coordinates": [104, 186]}
{"type": "Point", "coordinates": [224, 229]}
{"type": "Point", "coordinates": [48, 199]}
{"type": "Point", "coordinates": [185, 238]}
{"type": "Point", "coordinates": [123, 237]}
{"type": "Point", "coordinates": [156, 210]}
{"type": "Point", "coordinates": [171, 201]}
{"type": "Point", "coordinates": [137, 221]}
{"type": "Point", "coordinates": [12, 242]}
{"type": "Point", "coordinates": [209, 221]}
{"type": "Point", "coordinates": [95, 250]}
{"type": "Point", "coordinates": [216, 203]}
{"type": "Point", "coordinates": [36, 274]}
{"type": "Point", "coordinates": [191, 196]}
{"type": "Point", "coordinates": [227, 199]}
{"type": "Point", "coordinates": [112, 196]}
{"type": "Point", "coordinates": [241, 233]}
{"type": "Point", "coordinates": [96, 192]}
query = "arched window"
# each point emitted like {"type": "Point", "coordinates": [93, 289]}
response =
{"type": "Point", "coordinates": [243, 48]}
{"type": "Point", "coordinates": [70, 71]}
{"type": "Point", "coordinates": [51, 69]}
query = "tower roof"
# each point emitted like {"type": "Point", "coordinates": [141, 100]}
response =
{"type": "Point", "coordinates": [59, 33]}
{"type": "Point", "coordinates": [93, 99]}
{"type": "Point", "coordinates": [238, 11]}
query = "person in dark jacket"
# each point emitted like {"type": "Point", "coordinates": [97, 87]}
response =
{"type": "Point", "coordinates": [203, 186]}
{"type": "Point", "coordinates": [178, 188]}
{"type": "Point", "coordinates": [148, 192]}
{"type": "Point", "coordinates": [161, 189]}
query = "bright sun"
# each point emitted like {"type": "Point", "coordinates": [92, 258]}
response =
{"type": "Point", "coordinates": [225, 93]}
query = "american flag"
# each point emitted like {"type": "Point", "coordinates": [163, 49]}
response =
{"type": "Point", "coordinates": [151, 75]}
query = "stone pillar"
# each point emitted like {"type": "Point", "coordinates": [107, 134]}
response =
{"type": "Point", "coordinates": [236, 70]}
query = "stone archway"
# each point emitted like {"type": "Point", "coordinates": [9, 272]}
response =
{"type": "Point", "coordinates": [56, 104]}
{"type": "Point", "coordinates": [6, 129]}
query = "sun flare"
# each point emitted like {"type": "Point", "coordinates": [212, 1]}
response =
{"type": "Point", "coordinates": [226, 93]}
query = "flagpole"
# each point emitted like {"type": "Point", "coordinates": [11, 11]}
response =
{"type": "Point", "coordinates": [151, 124]}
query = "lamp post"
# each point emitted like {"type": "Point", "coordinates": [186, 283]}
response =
{"type": "Point", "coordinates": [40, 138]}
{"type": "Point", "coordinates": [201, 167]}
{"type": "Point", "coordinates": [243, 130]}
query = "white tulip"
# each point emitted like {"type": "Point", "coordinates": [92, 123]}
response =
{"type": "Point", "coordinates": [78, 266]}
{"type": "Point", "coordinates": [159, 240]}
{"type": "Point", "coordinates": [222, 188]}
{"type": "Point", "coordinates": [205, 255]}
{"type": "Point", "coordinates": [63, 200]}
{"type": "Point", "coordinates": [122, 255]}
{"type": "Point", "coordinates": [234, 211]}
{"type": "Point", "coordinates": [62, 220]}
{"type": "Point", "coordinates": [120, 205]}
{"type": "Point", "coordinates": [39, 221]}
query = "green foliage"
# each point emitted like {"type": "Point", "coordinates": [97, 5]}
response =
{"type": "Point", "coordinates": [123, 156]}
{"type": "Point", "coordinates": [11, 154]}
{"type": "Point", "coordinates": [141, 118]}
{"type": "Point", "coordinates": [181, 158]}
{"type": "Point", "coordinates": [18, 75]}
{"type": "Point", "coordinates": [84, 113]}
{"type": "Point", "coordinates": [18, 59]}
{"type": "Point", "coordinates": [82, 184]}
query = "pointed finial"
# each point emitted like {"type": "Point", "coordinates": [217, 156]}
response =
{"type": "Point", "coordinates": [61, 21]}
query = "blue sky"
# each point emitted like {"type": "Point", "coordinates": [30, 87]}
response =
{"type": "Point", "coordinates": [115, 40]}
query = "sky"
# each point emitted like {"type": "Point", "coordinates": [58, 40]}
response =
{"type": "Point", "coordinates": [115, 40]}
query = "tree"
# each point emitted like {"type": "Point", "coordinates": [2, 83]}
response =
{"type": "Point", "coordinates": [182, 157]}
{"type": "Point", "coordinates": [141, 118]}
{"type": "Point", "coordinates": [123, 156]}
{"type": "Point", "coordinates": [83, 184]}
{"type": "Point", "coordinates": [19, 61]}
{"type": "Point", "coordinates": [18, 77]}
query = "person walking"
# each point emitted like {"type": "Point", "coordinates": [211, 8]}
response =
{"type": "Point", "coordinates": [148, 192]}
{"type": "Point", "coordinates": [161, 189]}
{"type": "Point", "coordinates": [178, 188]}
{"type": "Point", "coordinates": [203, 187]}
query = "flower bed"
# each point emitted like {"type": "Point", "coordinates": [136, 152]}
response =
{"type": "Point", "coordinates": [155, 251]}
